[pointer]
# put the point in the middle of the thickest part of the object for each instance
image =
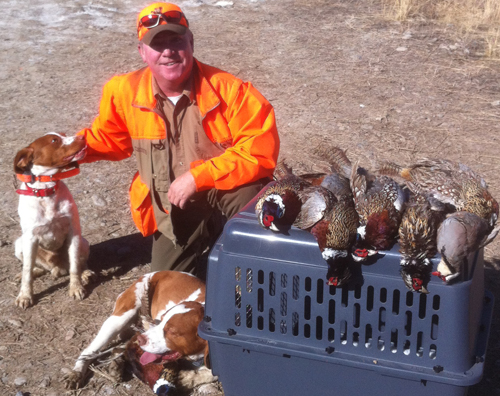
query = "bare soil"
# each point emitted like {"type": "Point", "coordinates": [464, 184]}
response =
{"type": "Point", "coordinates": [335, 71]}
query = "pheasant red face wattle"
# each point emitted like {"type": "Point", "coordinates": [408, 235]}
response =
{"type": "Point", "coordinates": [267, 220]}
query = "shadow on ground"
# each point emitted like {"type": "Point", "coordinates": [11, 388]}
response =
{"type": "Point", "coordinates": [116, 257]}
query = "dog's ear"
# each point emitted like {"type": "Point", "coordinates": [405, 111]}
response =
{"type": "Point", "coordinates": [208, 364]}
{"type": "Point", "coordinates": [23, 159]}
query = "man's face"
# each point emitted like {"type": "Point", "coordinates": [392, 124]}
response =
{"type": "Point", "coordinates": [170, 58]}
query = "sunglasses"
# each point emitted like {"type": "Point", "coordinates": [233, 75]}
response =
{"type": "Point", "coordinates": [153, 20]}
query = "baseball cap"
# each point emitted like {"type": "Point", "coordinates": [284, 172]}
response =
{"type": "Point", "coordinates": [160, 17]}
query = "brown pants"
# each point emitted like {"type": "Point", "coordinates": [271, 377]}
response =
{"type": "Point", "coordinates": [201, 226]}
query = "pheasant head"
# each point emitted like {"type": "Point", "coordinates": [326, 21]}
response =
{"type": "Point", "coordinates": [273, 209]}
{"type": "Point", "coordinates": [416, 273]}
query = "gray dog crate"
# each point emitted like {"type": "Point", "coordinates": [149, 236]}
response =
{"type": "Point", "coordinates": [275, 328]}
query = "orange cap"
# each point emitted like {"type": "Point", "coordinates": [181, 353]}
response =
{"type": "Point", "coordinates": [171, 19]}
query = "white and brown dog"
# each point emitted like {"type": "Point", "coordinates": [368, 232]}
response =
{"type": "Point", "coordinates": [175, 301]}
{"type": "Point", "coordinates": [51, 238]}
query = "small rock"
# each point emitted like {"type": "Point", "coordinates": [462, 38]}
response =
{"type": "Point", "coordinates": [495, 103]}
{"type": "Point", "coordinates": [453, 47]}
{"type": "Point", "coordinates": [361, 105]}
{"type": "Point", "coordinates": [98, 201]}
{"type": "Point", "coordinates": [45, 382]}
{"type": "Point", "coordinates": [443, 46]}
{"type": "Point", "coordinates": [69, 335]}
{"type": "Point", "coordinates": [65, 370]}
{"type": "Point", "coordinates": [224, 3]}
{"type": "Point", "coordinates": [401, 49]}
{"type": "Point", "coordinates": [15, 322]}
{"type": "Point", "coordinates": [20, 381]}
{"type": "Point", "coordinates": [406, 36]}
{"type": "Point", "coordinates": [19, 393]}
{"type": "Point", "coordinates": [108, 390]}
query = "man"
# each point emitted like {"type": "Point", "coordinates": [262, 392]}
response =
{"type": "Point", "coordinates": [204, 140]}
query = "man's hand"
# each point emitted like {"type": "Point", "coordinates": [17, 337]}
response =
{"type": "Point", "coordinates": [181, 190]}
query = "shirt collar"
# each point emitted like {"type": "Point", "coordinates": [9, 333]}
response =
{"type": "Point", "coordinates": [188, 90]}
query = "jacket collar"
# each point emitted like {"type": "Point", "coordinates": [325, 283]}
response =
{"type": "Point", "coordinates": [206, 97]}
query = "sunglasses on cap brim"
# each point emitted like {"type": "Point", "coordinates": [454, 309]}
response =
{"type": "Point", "coordinates": [152, 20]}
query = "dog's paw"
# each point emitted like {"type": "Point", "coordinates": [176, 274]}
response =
{"type": "Point", "coordinates": [57, 272]}
{"type": "Point", "coordinates": [72, 380]}
{"type": "Point", "coordinates": [88, 276]}
{"type": "Point", "coordinates": [24, 301]}
{"type": "Point", "coordinates": [77, 291]}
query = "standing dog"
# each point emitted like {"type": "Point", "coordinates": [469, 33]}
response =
{"type": "Point", "coordinates": [51, 238]}
{"type": "Point", "coordinates": [175, 300]}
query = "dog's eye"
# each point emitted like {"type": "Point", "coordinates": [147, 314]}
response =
{"type": "Point", "coordinates": [54, 140]}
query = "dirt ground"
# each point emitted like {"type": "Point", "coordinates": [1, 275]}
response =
{"type": "Point", "coordinates": [335, 71]}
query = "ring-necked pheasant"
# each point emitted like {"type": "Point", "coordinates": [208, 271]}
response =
{"type": "Point", "coordinates": [336, 232]}
{"type": "Point", "coordinates": [446, 182]}
{"type": "Point", "coordinates": [417, 242]}
{"type": "Point", "coordinates": [291, 200]}
{"type": "Point", "coordinates": [378, 200]}
{"type": "Point", "coordinates": [453, 184]}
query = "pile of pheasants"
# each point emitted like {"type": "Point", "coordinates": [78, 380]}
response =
{"type": "Point", "coordinates": [428, 207]}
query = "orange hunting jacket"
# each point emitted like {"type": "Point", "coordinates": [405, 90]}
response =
{"type": "Point", "coordinates": [234, 115]}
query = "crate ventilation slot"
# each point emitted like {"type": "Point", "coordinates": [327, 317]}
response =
{"type": "Point", "coordinates": [305, 307]}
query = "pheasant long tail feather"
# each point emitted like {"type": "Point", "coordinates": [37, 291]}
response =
{"type": "Point", "coordinates": [358, 182]}
{"type": "Point", "coordinates": [282, 170]}
{"type": "Point", "coordinates": [337, 159]}
{"type": "Point", "coordinates": [389, 169]}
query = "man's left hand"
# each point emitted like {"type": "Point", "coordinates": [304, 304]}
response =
{"type": "Point", "coordinates": [181, 190]}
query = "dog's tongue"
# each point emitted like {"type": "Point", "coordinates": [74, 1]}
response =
{"type": "Point", "coordinates": [147, 357]}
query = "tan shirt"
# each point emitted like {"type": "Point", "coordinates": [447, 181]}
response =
{"type": "Point", "coordinates": [186, 142]}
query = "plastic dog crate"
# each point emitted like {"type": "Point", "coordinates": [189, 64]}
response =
{"type": "Point", "coordinates": [275, 328]}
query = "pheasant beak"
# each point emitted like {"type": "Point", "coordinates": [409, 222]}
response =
{"type": "Point", "coordinates": [361, 253]}
{"type": "Point", "coordinates": [267, 220]}
{"type": "Point", "coordinates": [333, 281]}
{"type": "Point", "coordinates": [418, 286]}
{"type": "Point", "coordinates": [438, 274]}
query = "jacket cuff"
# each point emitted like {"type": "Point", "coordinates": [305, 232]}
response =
{"type": "Point", "coordinates": [202, 177]}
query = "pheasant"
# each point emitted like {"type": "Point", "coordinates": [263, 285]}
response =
{"type": "Point", "coordinates": [336, 232]}
{"type": "Point", "coordinates": [292, 200]}
{"type": "Point", "coordinates": [461, 234]}
{"type": "Point", "coordinates": [417, 241]}
{"type": "Point", "coordinates": [448, 183]}
{"type": "Point", "coordinates": [161, 377]}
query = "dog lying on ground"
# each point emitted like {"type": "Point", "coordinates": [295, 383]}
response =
{"type": "Point", "coordinates": [51, 238]}
{"type": "Point", "coordinates": [175, 303]}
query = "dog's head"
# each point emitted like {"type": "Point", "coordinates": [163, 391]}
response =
{"type": "Point", "coordinates": [176, 335]}
{"type": "Point", "coordinates": [51, 151]}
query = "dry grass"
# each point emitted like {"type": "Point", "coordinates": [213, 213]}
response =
{"type": "Point", "coordinates": [478, 17]}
